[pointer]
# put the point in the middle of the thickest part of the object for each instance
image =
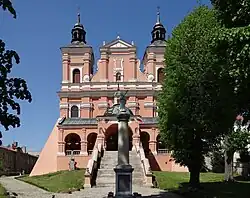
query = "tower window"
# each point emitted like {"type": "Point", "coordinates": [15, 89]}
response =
{"type": "Point", "coordinates": [75, 35]}
{"type": "Point", "coordinates": [76, 76]}
{"type": "Point", "coordinates": [160, 75]}
{"type": "Point", "coordinates": [118, 76]}
{"type": "Point", "coordinates": [74, 112]}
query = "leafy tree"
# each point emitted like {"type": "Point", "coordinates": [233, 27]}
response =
{"type": "Point", "coordinates": [11, 88]}
{"type": "Point", "coordinates": [236, 141]}
{"type": "Point", "coordinates": [193, 104]}
{"type": "Point", "coordinates": [231, 45]}
{"type": "Point", "coordinates": [233, 13]}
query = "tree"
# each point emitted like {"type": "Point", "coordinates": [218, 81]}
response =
{"type": "Point", "coordinates": [233, 13]}
{"type": "Point", "coordinates": [193, 103]}
{"type": "Point", "coordinates": [11, 88]}
{"type": "Point", "coordinates": [231, 45]}
{"type": "Point", "coordinates": [236, 141]}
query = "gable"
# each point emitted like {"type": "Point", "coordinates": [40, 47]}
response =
{"type": "Point", "coordinates": [118, 43]}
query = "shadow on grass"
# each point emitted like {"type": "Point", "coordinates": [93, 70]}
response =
{"type": "Point", "coordinates": [162, 195]}
{"type": "Point", "coordinates": [215, 189]}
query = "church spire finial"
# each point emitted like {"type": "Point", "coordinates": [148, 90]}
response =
{"type": "Point", "coordinates": [78, 15]}
{"type": "Point", "coordinates": [78, 33]}
{"type": "Point", "coordinates": [158, 15]}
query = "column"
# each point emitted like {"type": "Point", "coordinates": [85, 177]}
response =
{"type": "Point", "coordinates": [123, 169]}
{"type": "Point", "coordinates": [65, 62]}
{"type": "Point", "coordinates": [123, 140]}
{"type": "Point", "coordinates": [103, 66]}
{"type": "Point", "coordinates": [153, 142]}
{"type": "Point", "coordinates": [61, 143]}
{"type": "Point", "coordinates": [133, 64]}
{"type": "Point", "coordinates": [84, 143]}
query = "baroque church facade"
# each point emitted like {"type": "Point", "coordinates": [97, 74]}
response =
{"type": "Point", "coordinates": [88, 104]}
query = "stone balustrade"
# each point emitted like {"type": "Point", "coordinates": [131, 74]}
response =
{"type": "Point", "coordinates": [72, 152]}
{"type": "Point", "coordinates": [92, 165]}
{"type": "Point", "coordinates": [146, 166]}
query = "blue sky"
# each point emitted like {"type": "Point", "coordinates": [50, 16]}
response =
{"type": "Point", "coordinates": [42, 27]}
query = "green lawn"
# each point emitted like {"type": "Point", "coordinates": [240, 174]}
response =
{"type": "Point", "coordinates": [2, 192]}
{"type": "Point", "coordinates": [212, 185]}
{"type": "Point", "coordinates": [62, 181]}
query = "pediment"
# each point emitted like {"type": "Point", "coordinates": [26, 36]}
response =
{"type": "Point", "coordinates": [118, 43]}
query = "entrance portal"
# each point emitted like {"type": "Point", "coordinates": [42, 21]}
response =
{"type": "Point", "coordinates": [111, 138]}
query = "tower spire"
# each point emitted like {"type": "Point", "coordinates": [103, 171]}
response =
{"type": "Point", "coordinates": [78, 33]}
{"type": "Point", "coordinates": [78, 16]}
{"type": "Point", "coordinates": [158, 32]}
{"type": "Point", "coordinates": [158, 21]}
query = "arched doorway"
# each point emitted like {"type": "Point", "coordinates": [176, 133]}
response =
{"type": "Point", "coordinates": [111, 138]}
{"type": "Point", "coordinates": [91, 139]}
{"type": "Point", "coordinates": [72, 143]}
{"type": "Point", "coordinates": [144, 138]}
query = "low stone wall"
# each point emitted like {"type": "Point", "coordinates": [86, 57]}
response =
{"type": "Point", "coordinates": [14, 162]}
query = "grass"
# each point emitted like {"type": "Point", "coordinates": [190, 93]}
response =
{"type": "Point", "coordinates": [212, 185]}
{"type": "Point", "coordinates": [62, 181]}
{"type": "Point", "coordinates": [2, 192]}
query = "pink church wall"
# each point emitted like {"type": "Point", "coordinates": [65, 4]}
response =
{"type": "Point", "coordinates": [47, 161]}
{"type": "Point", "coordinates": [63, 162]}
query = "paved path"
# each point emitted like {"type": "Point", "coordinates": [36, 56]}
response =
{"type": "Point", "coordinates": [25, 190]}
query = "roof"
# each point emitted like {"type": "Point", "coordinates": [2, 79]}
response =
{"type": "Point", "coordinates": [158, 43]}
{"type": "Point", "coordinates": [94, 121]}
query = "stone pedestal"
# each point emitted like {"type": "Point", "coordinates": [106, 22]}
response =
{"type": "Point", "coordinates": [123, 181]}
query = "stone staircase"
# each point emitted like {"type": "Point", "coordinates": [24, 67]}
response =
{"type": "Point", "coordinates": [106, 174]}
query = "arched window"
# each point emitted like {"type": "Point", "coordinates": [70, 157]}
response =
{"type": "Point", "coordinates": [160, 75]}
{"type": "Point", "coordinates": [74, 112]}
{"type": "Point", "coordinates": [75, 35]}
{"type": "Point", "coordinates": [118, 76]}
{"type": "Point", "coordinates": [157, 35]}
{"type": "Point", "coordinates": [76, 76]}
{"type": "Point", "coordinates": [72, 142]}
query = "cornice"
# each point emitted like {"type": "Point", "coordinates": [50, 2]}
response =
{"type": "Point", "coordinates": [105, 93]}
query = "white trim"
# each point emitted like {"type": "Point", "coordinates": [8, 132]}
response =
{"type": "Point", "coordinates": [71, 72]}
{"type": "Point", "coordinates": [65, 87]}
{"type": "Point", "coordinates": [148, 104]}
{"type": "Point", "coordinates": [132, 104]}
{"type": "Point", "coordinates": [64, 106]}
{"type": "Point", "coordinates": [86, 105]}
{"type": "Point", "coordinates": [102, 105]}
{"type": "Point", "coordinates": [75, 87]}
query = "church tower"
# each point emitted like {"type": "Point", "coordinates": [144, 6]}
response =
{"type": "Point", "coordinates": [153, 59]}
{"type": "Point", "coordinates": [77, 61]}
